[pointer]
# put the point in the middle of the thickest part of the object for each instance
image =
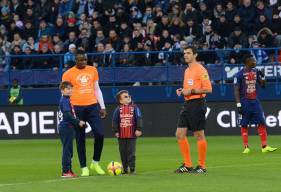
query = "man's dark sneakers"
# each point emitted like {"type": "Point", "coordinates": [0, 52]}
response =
{"type": "Point", "coordinates": [200, 169]}
{"type": "Point", "coordinates": [184, 169]}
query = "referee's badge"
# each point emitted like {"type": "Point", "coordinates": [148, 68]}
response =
{"type": "Point", "coordinates": [190, 82]}
{"type": "Point", "coordinates": [205, 77]}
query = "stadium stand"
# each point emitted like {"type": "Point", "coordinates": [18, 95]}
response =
{"type": "Point", "coordinates": [44, 35]}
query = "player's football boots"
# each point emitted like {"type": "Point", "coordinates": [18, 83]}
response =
{"type": "Point", "coordinates": [268, 149]}
{"type": "Point", "coordinates": [184, 169]}
{"type": "Point", "coordinates": [68, 174]}
{"type": "Point", "coordinates": [200, 169]}
{"type": "Point", "coordinates": [246, 150]}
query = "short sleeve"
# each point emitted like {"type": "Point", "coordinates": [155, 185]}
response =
{"type": "Point", "coordinates": [237, 79]}
{"type": "Point", "coordinates": [205, 79]}
{"type": "Point", "coordinates": [66, 76]}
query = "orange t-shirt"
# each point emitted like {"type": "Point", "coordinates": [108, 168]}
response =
{"type": "Point", "coordinates": [196, 77]}
{"type": "Point", "coordinates": [83, 84]}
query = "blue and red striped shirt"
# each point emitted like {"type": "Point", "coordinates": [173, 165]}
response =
{"type": "Point", "coordinates": [126, 120]}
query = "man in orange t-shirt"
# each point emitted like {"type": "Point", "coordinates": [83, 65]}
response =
{"type": "Point", "coordinates": [196, 85]}
{"type": "Point", "coordinates": [88, 103]}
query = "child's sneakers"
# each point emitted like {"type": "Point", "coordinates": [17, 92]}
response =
{"type": "Point", "coordinates": [85, 172]}
{"type": "Point", "coordinates": [68, 174]}
{"type": "Point", "coordinates": [97, 168]}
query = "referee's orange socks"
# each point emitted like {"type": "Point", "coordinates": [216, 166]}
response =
{"type": "Point", "coordinates": [185, 151]}
{"type": "Point", "coordinates": [202, 151]}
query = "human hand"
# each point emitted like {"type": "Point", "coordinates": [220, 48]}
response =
{"type": "Point", "coordinates": [82, 124]}
{"type": "Point", "coordinates": [103, 113]}
{"type": "Point", "coordinates": [239, 108]}
{"type": "Point", "coordinates": [117, 135]}
{"type": "Point", "coordinates": [186, 92]}
{"type": "Point", "coordinates": [138, 133]}
{"type": "Point", "coordinates": [179, 91]}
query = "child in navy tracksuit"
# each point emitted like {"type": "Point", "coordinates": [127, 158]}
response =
{"type": "Point", "coordinates": [67, 123]}
{"type": "Point", "coordinates": [126, 125]}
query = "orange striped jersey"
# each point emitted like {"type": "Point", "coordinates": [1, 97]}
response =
{"type": "Point", "coordinates": [83, 81]}
{"type": "Point", "coordinates": [196, 77]}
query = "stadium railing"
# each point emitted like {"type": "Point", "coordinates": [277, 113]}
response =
{"type": "Point", "coordinates": [145, 67]}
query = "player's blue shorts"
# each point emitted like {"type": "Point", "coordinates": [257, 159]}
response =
{"type": "Point", "coordinates": [252, 112]}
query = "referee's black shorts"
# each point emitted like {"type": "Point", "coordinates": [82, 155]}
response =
{"type": "Point", "coordinates": [192, 115]}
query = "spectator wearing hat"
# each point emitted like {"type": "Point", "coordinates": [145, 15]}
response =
{"type": "Point", "coordinates": [69, 57]}
{"type": "Point", "coordinates": [203, 12]}
{"type": "Point", "coordinates": [5, 16]}
{"type": "Point", "coordinates": [71, 25]}
{"type": "Point", "coordinates": [265, 37]}
{"type": "Point", "coordinates": [135, 15]}
{"type": "Point", "coordinates": [237, 37]}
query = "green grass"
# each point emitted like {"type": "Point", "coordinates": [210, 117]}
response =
{"type": "Point", "coordinates": [34, 165]}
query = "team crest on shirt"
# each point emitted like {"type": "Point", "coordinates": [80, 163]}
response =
{"type": "Point", "coordinates": [190, 81]}
{"type": "Point", "coordinates": [84, 79]}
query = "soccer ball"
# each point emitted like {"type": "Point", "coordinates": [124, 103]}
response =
{"type": "Point", "coordinates": [114, 168]}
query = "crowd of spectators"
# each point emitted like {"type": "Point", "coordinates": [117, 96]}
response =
{"type": "Point", "coordinates": [62, 26]}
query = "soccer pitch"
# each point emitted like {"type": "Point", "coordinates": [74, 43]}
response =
{"type": "Point", "coordinates": [34, 165]}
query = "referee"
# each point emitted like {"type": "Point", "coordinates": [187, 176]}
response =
{"type": "Point", "coordinates": [196, 85]}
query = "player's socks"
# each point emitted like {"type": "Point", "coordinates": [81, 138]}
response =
{"type": "Point", "coordinates": [185, 151]}
{"type": "Point", "coordinates": [262, 134]}
{"type": "Point", "coordinates": [97, 168]}
{"type": "Point", "coordinates": [85, 172]}
{"type": "Point", "coordinates": [202, 151]}
{"type": "Point", "coordinates": [244, 134]}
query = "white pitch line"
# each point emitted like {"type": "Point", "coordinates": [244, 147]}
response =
{"type": "Point", "coordinates": [143, 173]}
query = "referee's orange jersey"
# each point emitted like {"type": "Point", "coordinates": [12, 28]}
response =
{"type": "Point", "coordinates": [196, 77]}
{"type": "Point", "coordinates": [83, 84]}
